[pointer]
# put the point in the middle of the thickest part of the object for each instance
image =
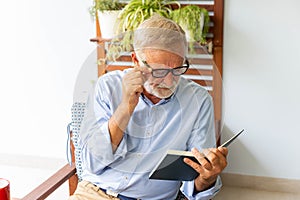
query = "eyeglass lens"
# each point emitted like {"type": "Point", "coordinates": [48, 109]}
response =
{"type": "Point", "coordinates": [160, 73]}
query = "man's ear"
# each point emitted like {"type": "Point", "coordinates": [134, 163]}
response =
{"type": "Point", "coordinates": [134, 59]}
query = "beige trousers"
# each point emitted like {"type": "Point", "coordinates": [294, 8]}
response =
{"type": "Point", "coordinates": [88, 191]}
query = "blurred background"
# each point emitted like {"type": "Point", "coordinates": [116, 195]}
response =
{"type": "Point", "coordinates": [43, 45]}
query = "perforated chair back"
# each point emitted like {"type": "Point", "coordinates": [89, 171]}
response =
{"type": "Point", "coordinates": [77, 110]}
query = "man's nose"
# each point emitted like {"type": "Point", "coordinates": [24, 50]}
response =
{"type": "Point", "coordinates": [169, 79]}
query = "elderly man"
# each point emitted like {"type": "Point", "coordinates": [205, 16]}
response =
{"type": "Point", "coordinates": [135, 116]}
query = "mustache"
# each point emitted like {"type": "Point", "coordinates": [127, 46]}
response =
{"type": "Point", "coordinates": [165, 86]}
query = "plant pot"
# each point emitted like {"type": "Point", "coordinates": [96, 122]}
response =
{"type": "Point", "coordinates": [188, 36]}
{"type": "Point", "coordinates": [109, 22]}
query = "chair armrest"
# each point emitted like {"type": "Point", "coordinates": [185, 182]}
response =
{"type": "Point", "coordinates": [52, 183]}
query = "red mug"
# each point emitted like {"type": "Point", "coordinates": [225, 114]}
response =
{"type": "Point", "coordinates": [4, 189]}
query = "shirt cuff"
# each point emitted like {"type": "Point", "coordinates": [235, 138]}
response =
{"type": "Point", "coordinates": [122, 147]}
{"type": "Point", "coordinates": [188, 190]}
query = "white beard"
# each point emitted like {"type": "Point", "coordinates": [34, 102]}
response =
{"type": "Point", "coordinates": [161, 91]}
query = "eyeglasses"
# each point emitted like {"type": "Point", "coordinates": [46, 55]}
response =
{"type": "Point", "coordinates": [162, 72]}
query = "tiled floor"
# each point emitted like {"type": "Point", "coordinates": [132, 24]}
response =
{"type": "Point", "coordinates": [26, 173]}
{"type": "Point", "coordinates": [24, 178]}
{"type": "Point", "coordinates": [235, 193]}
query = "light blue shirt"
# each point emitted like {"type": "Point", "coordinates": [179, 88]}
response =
{"type": "Point", "coordinates": [181, 122]}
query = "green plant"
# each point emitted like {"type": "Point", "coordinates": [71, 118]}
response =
{"type": "Point", "coordinates": [136, 11]}
{"type": "Point", "coordinates": [189, 18]}
{"type": "Point", "coordinates": [103, 5]}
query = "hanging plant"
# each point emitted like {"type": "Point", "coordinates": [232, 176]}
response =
{"type": "Point", "coordinates": [194, 20]}
{"type": "Point", "coordinates": [105, 5]}
{"type": "Point", "coordinates": [136, 11]}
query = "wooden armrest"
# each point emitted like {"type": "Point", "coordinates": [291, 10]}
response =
{"type": "Point", "coordinates": [52, 183]}
{"type": "Point", "coordinates": [99, 40]}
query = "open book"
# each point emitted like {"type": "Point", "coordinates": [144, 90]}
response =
{"type": "Point", "coordinates": [172, 166]}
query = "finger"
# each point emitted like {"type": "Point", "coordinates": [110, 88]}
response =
{"type": "Point", "coordinates": [211, 156]}
{"type": "Point", "coordinates": [133, 89]}
{"type": "Point", "coordinates": [146, 72]}
{"type": "Point", "coordinates": [201, 159]}
{"type": "Point", "coordinates": [217, 158]}
{"type": "Point", "coordinates": [139, 76]}
{"type": "Point", "coordinates": [219, 152]}
{"type": "Point", "coordinates": [139, 89]}
{"type": "Point", "coordinates": [144, 69]}
{"type": "Point", "coordinates": [196, 166]}
{"type": "Point", "coordinates": [223, 150]}
{"type": "Point", "coordinates": [133, 79]}
{"type": "Point", "coordinates": [134, 74]}
{"type": "Point", "coordinates": [136, 81]}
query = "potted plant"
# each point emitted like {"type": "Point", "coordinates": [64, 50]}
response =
{"type": "Point", "coordinates": [136, 11]}
{"type": "Point", "coordinates": [107, 12]}
{"type": "Point", "coordinates": [194, 20]}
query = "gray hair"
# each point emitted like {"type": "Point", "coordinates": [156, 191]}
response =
{"type": "Point", "coordinates": [160, 33]}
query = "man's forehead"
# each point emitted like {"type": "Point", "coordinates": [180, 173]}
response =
{"type": "Point", "coordinates": [159, 59]}
{"type": "Point", "coordinates": [160, 39]}
{"type": "Point", "coordinates": [161, 54]}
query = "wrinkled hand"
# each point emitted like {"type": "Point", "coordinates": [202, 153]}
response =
{"type": "Point", "coordinates": [212, 163]}
{"type": "Point", "coordinates": [132, 87]}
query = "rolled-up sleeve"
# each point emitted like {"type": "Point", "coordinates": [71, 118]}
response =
{"type": "Point", "coordinates": [94, 133]}
{"type": "Point", "coordinates": [203, 133]}
{"type": "Point", "coordinates": [188, 190]}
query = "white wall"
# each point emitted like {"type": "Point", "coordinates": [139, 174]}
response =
{"type": "Point", "coordinates": [42, 46]}
{"type": "Point", "coordinates": [262, 89]}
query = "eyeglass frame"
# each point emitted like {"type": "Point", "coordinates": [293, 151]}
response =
{"type": "Point", "coordinates": [169, 70]}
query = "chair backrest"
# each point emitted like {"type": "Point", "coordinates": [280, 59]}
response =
{"type": "Point", "coordinates": [77, 110]}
